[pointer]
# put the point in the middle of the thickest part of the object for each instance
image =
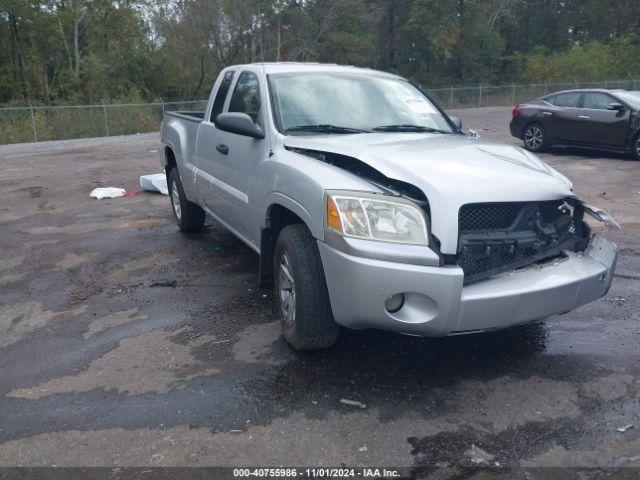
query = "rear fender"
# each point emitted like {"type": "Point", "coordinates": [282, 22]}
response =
{"type": "Point", "coordinates": [175, 136]}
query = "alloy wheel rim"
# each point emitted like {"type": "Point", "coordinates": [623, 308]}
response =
{"type": "Point", "coordinates": [638, 146]}
{"type": "Point", "coordinates": [287, 289]}
{"type": "Point", "coordinates": [533, 138]}
{"type": "Point", "coordinates": [175, 200]}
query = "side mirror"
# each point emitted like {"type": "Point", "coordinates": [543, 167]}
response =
{"type": "Point", "coordinates": [457, 122]}
{"type": "Point", "coordinates": [239, 123]}
{"type": "Point", "coordinates": [616, 106]}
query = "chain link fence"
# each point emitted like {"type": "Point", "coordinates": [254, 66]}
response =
{"type": "Point", "coordinates": [38, 123]}
{"type": "Point", "coordinates": [511, 95]}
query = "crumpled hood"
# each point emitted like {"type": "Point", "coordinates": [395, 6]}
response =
{"type": "Point", "coordinates": [452, 170]}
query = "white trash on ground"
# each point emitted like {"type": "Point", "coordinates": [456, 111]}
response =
{"type": "Point", "coordinates": [156, 182]}
{"type": "Point", "coordinates": [107, 192]}
{"type": "Point", "coordinates": [353, 403]}
{"type": "Point", "coordinates": [478, 456]}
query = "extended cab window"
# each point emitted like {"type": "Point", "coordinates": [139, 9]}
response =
{"type": "Point", "coordinates": [567, 99]}
{"type": "Point", "coordinates": [246, 96]}
{"type": "Point", "coordinates": [218, 103]}
{"type": "Point", "coordinates": [597, 101]}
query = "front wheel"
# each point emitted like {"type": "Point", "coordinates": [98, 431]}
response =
{"type": "Point", "coordinates": [189, 216]}
{"type": "Point", "coordinates": [636, 147]}
{"type": "Point", "coordinates": [534, 138]}
{"type": "Point", "coordinates": [301, 291]}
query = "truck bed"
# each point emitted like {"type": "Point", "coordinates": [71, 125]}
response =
{"type": "Point", "coordinates": [188, 123]}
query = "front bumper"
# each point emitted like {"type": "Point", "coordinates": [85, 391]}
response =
{"type": "Point", "coordinates": [438, 304]}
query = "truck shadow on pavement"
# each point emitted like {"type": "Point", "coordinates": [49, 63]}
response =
{"type": "Point", "coordinates": [397, 373]}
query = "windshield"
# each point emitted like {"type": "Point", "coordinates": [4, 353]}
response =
{"type": "Point", "coordinates": [351, 103]}
{"type": "Point", "coordinates": [632, 98]}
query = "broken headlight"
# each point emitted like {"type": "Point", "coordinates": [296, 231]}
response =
{"type": "Point", "coordinates": [376, 217]}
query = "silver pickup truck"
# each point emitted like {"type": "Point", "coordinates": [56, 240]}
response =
{"type": "Point", "coordinates": [370, 208]}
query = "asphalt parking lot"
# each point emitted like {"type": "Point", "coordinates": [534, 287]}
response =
{"type": "Point", "coordinates": [123, 342]}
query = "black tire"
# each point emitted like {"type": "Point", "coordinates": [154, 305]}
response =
{"type": "Point", "coordinates": [534, 138]}
{"type": "Point", "coordinates": [188, 215]}
{"type": "Point", "coordinates": [635, 146]}
{"type": "Point", "coordinates": [311, 325]}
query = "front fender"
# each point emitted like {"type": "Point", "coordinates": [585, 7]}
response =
{"type": "Point", "coordinates": [298, 182]}
{"type": "Point", "coordinates": [279, 198]}
{"type": "Point", "coordinates": [634, 128]}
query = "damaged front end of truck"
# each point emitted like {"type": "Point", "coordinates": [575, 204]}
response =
{"type": "Point", "coordinates": [493, 237]}
{"type": "Point", "coordinates": [500, 237]}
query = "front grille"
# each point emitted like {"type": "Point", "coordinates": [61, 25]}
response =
{"type": "Point", "coordinates": [499, 237]}
{"type": "Point", "coordinates": [480, 216]}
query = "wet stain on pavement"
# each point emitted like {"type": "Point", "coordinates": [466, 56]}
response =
{"type": "Point", "coordinates": [505, 448]}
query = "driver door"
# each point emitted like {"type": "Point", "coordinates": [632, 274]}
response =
{"type": "Point", "coordinates": [209, 159]}
{"type": "Point", "coordinates": [238, 156]}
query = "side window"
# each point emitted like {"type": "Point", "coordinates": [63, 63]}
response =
{"type": "Point", "coordinates": [246, 96]}
{"type": "Point", "coordinates": [566, 99]}
{"type": "Point", "coordinates": [597, 101]}
{"type": "Point", "coordinates": [218, 102]}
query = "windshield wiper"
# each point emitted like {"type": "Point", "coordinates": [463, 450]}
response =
{"type": "Point", "coordinates": [324, 128]}
{"type": "Point", "coordinates": [406, 128]}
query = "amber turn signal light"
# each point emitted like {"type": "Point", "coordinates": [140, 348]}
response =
{"type": "Point", "coordinates": [333, 216]}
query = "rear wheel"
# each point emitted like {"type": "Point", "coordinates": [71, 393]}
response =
{"type": "Point", "coordinates": [189, 216]}
{"type": "Point", "coordinates": [636, 147]}
{"type": "Point", "coordinates": [534, 138]}
{"type": "Point", "coordinates": [301, 291]}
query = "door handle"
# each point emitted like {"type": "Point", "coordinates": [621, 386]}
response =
{"type": "Point", "coordinates": [547, 113]}
{"type": "Point", "coordinates": [583, 116]}
{"type": "Point", "coordinates": [223, 149]}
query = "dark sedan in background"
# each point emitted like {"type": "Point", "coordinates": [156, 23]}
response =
{"type": "Point", "coordinates": [601, 119]}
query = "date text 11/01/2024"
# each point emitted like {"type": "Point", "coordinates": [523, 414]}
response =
{"type": "Point", "coordinates": [316, 472]}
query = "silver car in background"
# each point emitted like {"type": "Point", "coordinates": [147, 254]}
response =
{"type": "Point", "coordinates": [370, 208]}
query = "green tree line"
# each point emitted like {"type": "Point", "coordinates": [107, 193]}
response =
{"type": "Point", "coordinates": [89, 51]}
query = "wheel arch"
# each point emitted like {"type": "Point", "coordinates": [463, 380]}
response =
{"type": "Point", "coordinates": [278, 215]}
{"type": "Point", "coordinates": [174, 138]}
{"type": "Point", "coordinates": [169, 161]}
{"type": "Point", "coordinates": [635, 138]}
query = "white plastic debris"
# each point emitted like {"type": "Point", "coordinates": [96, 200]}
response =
{"type": "Point", "coordinates": [107, 192]}
{"type": "Point", "coordinates": [624, 428]}
{"type": "Point", "coordinates": [353, 403]}
{"type": "Point", "coordinates": [156, 182]}
{"type": "Point", "coordinates": [478, 456]}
